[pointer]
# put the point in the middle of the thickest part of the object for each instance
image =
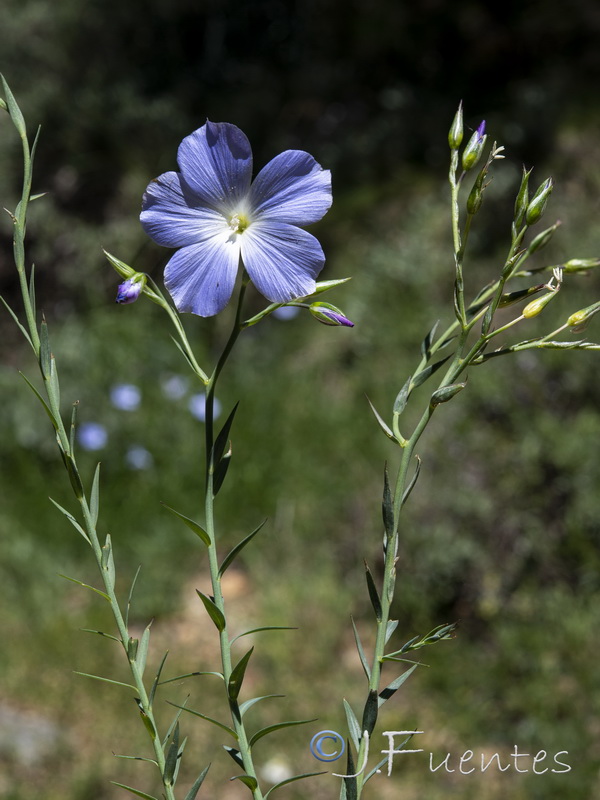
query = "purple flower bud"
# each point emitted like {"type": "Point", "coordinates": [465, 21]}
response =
{"type": "Point", "coordinates": [129, 291]}
{"type": "Point", "coordinates": [481, 130]}
{"type": "Point", "coordinates": [329, 315]}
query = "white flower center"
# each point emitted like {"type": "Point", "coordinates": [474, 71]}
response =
{"type": "Point", "coordinates": [238, 222]}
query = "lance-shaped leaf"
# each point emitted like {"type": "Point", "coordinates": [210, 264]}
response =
{"type": "Point", "coordinates": [105, 680]}
{"type": "Point", "coordinates": [95, 494]}
{"type": "Point", "coordinates": [86, 586]}
{"type": "Point", "coordinates": [73, 522]}
{"type": "Point", "coordinates": [264, 628]}
{"type": "Point", "coordinates": [214, 612]}
{"type": "Point", "coordinates": [108, 562]}
{"type": "Point", "coordinates": [136, 792]}
{"type": "Point", "coordinates": [383, 425]}
{"type": "Point", "coordinates": [387, 506]}
{"type": "Point", "coordinates": [235, 754]}
{"type": "Point", "coordinates": [41, 399]}
{"type": "Point", "coordinates": [191, 795]}
{"type": "Point", "coordinates": [361, 652]}
{"type": "Point", "coordinates": [249, 703]}
{"type": "Point", "coordinates": [198, 529]}
{"type": "Point", "coordinates": [191, 675]}
{"type": "Point", "coordinates": [172, 757]}
{"type": "Point", "coordinates": [393, 687]}
{"type": "Point", "coordinates": [375, 769]}
{"type": "Point", "coordinates": [413, 481]}
{"type": "Point", "coordinates": [129, 598]}
{"type": "Point", "coordinates": [216, 722]}
{"type": "Point", "coordinates": [391, 627]}
{"type": "Point", "coordinates": [350, 784]}
{"type": "Point", "coordinates": [291, 780]}
{"type": "Point", "coordinates": [373, 594]}
{"type": "Point", "coordinates": [426, 373]}
{"type": "Point", "coordinates": [221, 472]}
{"type": "Point", "coordinates": [100, 633]}
{"type": "Point", "coordinates": [16, 319]}
{"type": "Point", "coordinates": [174, 722]}
{"type": "Point", "coordinates": [238, 548]}
{"type": "Point", "coordinates": [142, 653]}
{"type": "Point", "coordinates": [370, 712]}
{"type": "Point", "coordinates": [221, 442]}
{"type": "Point", "coordinates": [278, 726]}
{"type": "Point", "coordinates": [428, 341]}
{"type": "Point", "coordinates": [250, 782]}
{"type": "Point", "coordinates": [237, 676]}
{"type": "Point", "coordinates": [402, 397]}
{"type": "Point", "coordinates": [353, 726]}
{"type": "Point", "coordinates": [148, 724]}
{"type": "Point", "coordinates": [14, 110]}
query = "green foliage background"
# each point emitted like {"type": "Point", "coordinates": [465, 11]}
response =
{"type": "Point", "coordinates": [502, 529]}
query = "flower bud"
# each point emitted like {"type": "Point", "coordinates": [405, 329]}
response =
{"type": "Point", "coordinates": [455, 134]}
{"type": "Point", "coordinates": [581, 318]}
{"type": "Point", "coordinates": [538, 203]}
{"type": "Point", "coordinates": [522, 294]}
{"type": "Point", "coordinates": [537, 306]}
{"type": "Point", "coordinates": [329, 315]}
{"type": "Point", "coordinates": [542, 239]}
{"type": "Point", "coordinates": [473, 150]}
{"type": "Point", "coordinates": [130, 290]}
{"type": "Point", "coordinates": [446, 393]}
{"type": "Point", "coordinates": [581, 264]}
{"type": "Point", "coordinates": [522, 200]}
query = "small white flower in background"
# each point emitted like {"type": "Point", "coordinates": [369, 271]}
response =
{"type": "Point", "coordinates": [138, 457]}
{"type": "Point", "coordinates": [125, 396]}
{"type": "Point", "coordinates": [286, 312]}
{"type": "Point", "coordinates": [276, 770]}
{"type": "Point", "coordinates": [92, 436]}
{"type": "Point", "coordinates": [174, 386]}
{"type": "Point", "coordinates": [197, 407]}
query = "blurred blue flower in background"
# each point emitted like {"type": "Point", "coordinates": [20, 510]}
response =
{"type": "Point", "coordinates": [197, 407]}
{"type": "Point", "coordinates": [137, 457]}
{"type": "Point", "coordinates": [174, 386]}
{"type": "Point", "coordinates": [92, 436]}
{"type": "Point", "coordinates": [216, 215]}
{"type": "Point", "coordinates": [286, 312]}
{"type": "Point", "coordinates": [125, 396]}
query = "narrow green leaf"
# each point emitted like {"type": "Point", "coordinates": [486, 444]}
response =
{"type": "Point", "coordinates": [148, 724]}
{"type": "Point", "coordinates": [265, 731]}
{"type": "Point", "coordinates": [143, 649]}
{"type": "Point", "coordinates": [72, 520]}
{"type": "Point", "coordinates": [73, 426]}
{"type": "Point", "coordinates": [324, 286]}
{"type": "Point", "coordinates": [235, 754]}
{"type": "Point", "coordinates": [156, 680]}
{"type": "Point", "coordinates": [249, 703]}
{"type": "Point", "coordinates": [205, 717]}
{"type": "Point", "coordinates": [95, 495]}
{"type": "Point", "coordinates": [383, 425]}
{"type": "Point", "coordinates": [291, 780]}
{"type": "Point", "coordinates": [14, 110]}
{"type": "Point", "coordinates": [53, 384]}
{"type": "Point", "coordinates": [32, 280]}
{"type": "Point", "coordinates": [250, 782]}
{"type": "Point", "coordinates": [86, 586]}
{"type": "Point", "coordinates": [172, 757]}
{"type": "Point", "coordinates": [402, 398]}
{"type": "Point", "coordinates": [391, 627]}
{"type": "Point", "coordinates": [16, 319]}
{"type": "Point", "coordinates": [174, 721]}
{"type": "Point", "coordinates": [198, 530]}
{"type": "Point", "coordinates": [184, 354]}
{"type": "Point", "coordinates": [413, 481]}
{"type": "Point", "coordinates": [361, 652]}
{"type": "Point", "coordinates": [190, 675]}
{"type": "Point", "coordinates": [191, 795]}
{"type": "Point", "coordinates": [134, 791]}
{"type": "Point", "coordinates": [426, 373]}
{"type": "Point", "coordinates": [387, 505]}
{"type": "Point", "coordinates": [108, 562]}
{"type": "Point", "coordinates": [105, 680]}
{"type": "Point", "coordinates": [71, 467]}
{"type": "Point", "coordinates": [376, 768]}
{"type": "Point", "coordinates": [136, 758]}
{"type": "Point", "coordinates": [44, 349]}
{"type": "Point", "coordinates": [223, 438]}
{"type": "Point", "coordinates": [221, 472]}
{"type": "Point", "coordinates": [133, 583]}
{"type": "Point", "coordinates": [214, 612]}
{"type": "Point", "coordinates": [238, 548]}
{"type": "Point", "coordinates": [41, 399]}
{"type": "Point", "coordinates": [350, 783]}
{"type": "Point", "coordinates": [353, 726]}
{"type": "Point", "coordinates": [393, 687]}
{"type": "Point", "coordinates": [427, 342]}
{"type": "Point", "coordinates": [264, 628]}
{"type": "Point", "coordinates": [237, 676]}
{"type": "Point", "coordinates": [370, 712]}
{"type": "Point", "coordinates": [100, 633]}
{"type": "Point", "coordinates": [373, 594]}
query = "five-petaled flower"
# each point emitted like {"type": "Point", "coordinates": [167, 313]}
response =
{"type": "Point", "coordinates": [217, 216]}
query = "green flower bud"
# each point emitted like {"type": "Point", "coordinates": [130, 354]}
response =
{"type": "Point", "coordinates": [456, 131]}
{"type": "Point", "coordinates": [329, 315]}
{"type": "Point", "coordinates": [581, 264]}
{"type": "Point", "coordinates": [473, 150]}
{"type": "Point", "coordinates": [538, 203]}
{"type": "Point", "coordinates": [537, 306]}
{"type": "Point", "coordinates": [542, 239]}
{"type": "Point", "coordinates": [580, 319]}
{"type": "Point", "coordinates": [475, 198]}
{"type": "Point", "coordinates": [522, 200]}
{"type": "Point", "coordinates": [446, 393]}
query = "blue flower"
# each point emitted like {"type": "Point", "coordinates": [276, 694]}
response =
{"type": "Point", "coordinates": [129, 291]}
{"type": "Point", "coordinates": [92, 436]}
{"type": "Point", "coordinates": [217, 217]}
{"type": "Point", "coordinates": [125, 396]}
